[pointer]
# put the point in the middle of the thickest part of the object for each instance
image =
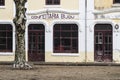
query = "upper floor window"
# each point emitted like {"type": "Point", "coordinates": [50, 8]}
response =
{"type": "Point", "coordinates": [116, 1]}
{"type": "Point", "coordinates": [52, 2]}
{"type": "Point", "coordinates": [2, 2]}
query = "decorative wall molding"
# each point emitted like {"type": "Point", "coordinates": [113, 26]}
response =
{"type": "Point", "coordinates": [35, 12]}
{"type": "Point", "coordinates": [111, 10]}
{"type": "Point", "coordinates": [113, 13]}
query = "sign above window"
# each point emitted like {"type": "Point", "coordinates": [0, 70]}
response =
{"type": "Point", "coordinates": [53, 15]}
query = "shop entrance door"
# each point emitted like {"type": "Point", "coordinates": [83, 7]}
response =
{"type": "Point", "coordinates": [103, 43]}
{"type": "Point", "coordinates": [36, 44]}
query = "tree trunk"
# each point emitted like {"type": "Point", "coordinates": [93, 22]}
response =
{"type": "Point", "coordinates": [20, 21]}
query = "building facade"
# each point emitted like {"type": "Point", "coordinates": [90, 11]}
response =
{"type": "Point", "coordinates": [103, 31]}
{"type": "Point", "coordinates": [83, 31]}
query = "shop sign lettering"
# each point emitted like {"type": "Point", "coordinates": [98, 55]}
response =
{"type": "Point", "coordinates": [53, 16]}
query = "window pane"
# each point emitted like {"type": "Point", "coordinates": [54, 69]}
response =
{"type": "Point", "coordinates": [2, 48]}
{"type": "Point", "coordinates": [5, 37]}
{"type": "Point", "coordinates": [9, 34]}
{"type": "Point", "coordinates": [57, 42]}
{"type": "Point", "coordinates": [65, 34]}
{"type": "Point", "coordinates": [66, 42]}
{"type": "Point", "coordinates": [110, 39]}
{"type": "Point", "coordinates": [116, 1]}
{"type": "Point", "coordinates": [2, 34]}
{"type": "Point", "coordinates": [57, 34]}
{"type": "Point", "coordinates": [74, 34]}
{"type": "Point", "coordinates": [52, 2]}
{"type": "Point", "coordinates": [9, 43]}
{"type": "Point", "coordinates": [36, 27]}
{"type": "Point", "coordinates": [48, 1]}
{"type": "Point", "coordinates": [56, 1]}
{"type": "Point", "coordinates": [2, 2]}
{"type": "Point", "coordinates": [65, 27]}
{"type": "Point", "coordinates": [65, 39]}
{"type": "Point", "coordinates": [103, 27]}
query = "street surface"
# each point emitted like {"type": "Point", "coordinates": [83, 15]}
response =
{"type": "Point", "coordinates": [40, 72]}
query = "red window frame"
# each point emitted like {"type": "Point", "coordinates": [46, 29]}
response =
{"type": "Point", "coordinates": [2, 2]}
{"type": "Point", "coordinates": [65, 38]}
{"type": "Point", "coordinates": [6, 38]}
{"type": "Point", "coordinates": [52, 2]}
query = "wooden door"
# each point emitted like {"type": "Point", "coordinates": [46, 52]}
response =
{"type": "Point", "coordinates": [36, 51]}
{"type": "Point", "coordinates": [103, 43]}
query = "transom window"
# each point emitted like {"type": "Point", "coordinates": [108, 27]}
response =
{"type": "Point", "coordinates": [2, 2]}
{"type": "Point", "coordinates": [5, 38]}
{"type": "Point", "coordinates": [65, 38]}
{"type": "Point", "coordinates": [52, 2]}
{"type": "Point", "coordinates": [116, 1]}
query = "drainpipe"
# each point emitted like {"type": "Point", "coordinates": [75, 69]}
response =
{"type": "Point", "coordinates": [85, 31]}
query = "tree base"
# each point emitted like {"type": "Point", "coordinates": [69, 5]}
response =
{"type": "Point", "coordinates": [25, 66]}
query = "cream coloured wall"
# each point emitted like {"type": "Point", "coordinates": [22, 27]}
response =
{"type": "Point", "coordinates": [50, 57]}
{"type": "Point", "coordinates": [90, 56]}
{"type": "Point", "coordinates": [116, 57]}
{"type": "Point", "coordinates": [103, 4]}
{"type": "Point", "coordinates": [70, 4]}
{"type": "Point", "coordinates": [7, 58]}
{"type": "Point", "coordinates": [7, 12]}
{"type": "Point", "coordinates": [35, 4]}
{"type": "Point", "coordinates": [40, 4]}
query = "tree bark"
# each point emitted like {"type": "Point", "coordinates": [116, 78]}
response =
{"type": "Point", "coordinates": [20, 21]}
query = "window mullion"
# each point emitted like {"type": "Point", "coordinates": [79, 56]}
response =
{"type": "Point", "coordinates": [71, 38]}
{"type": "Point", "coordinates": [6, 41]}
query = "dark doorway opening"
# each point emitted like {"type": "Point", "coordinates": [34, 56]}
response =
{"type": "Point", "coordinates": [36, 42]}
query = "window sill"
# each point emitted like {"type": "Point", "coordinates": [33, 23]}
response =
{"type": "Point", "coordinates": [2, 7]}
{"type": "Point", "coordinates": [52, 6]}
{"type": "Point", "coordinates": [6, 53]}
{"type": "Point", "coordinates": [65, 54]}
{"type": "Point", "coordinates": [116, 5]}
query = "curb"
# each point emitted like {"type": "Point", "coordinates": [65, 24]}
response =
{"type": "Point", "coordinates": [65, 64]}
{"type": "Point", "coordinates": [75, 64]}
